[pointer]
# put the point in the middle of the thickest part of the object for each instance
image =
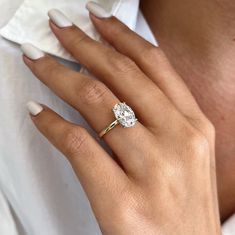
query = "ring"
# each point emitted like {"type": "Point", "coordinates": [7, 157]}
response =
{"type": "Point", "coordinates": [124, 115]}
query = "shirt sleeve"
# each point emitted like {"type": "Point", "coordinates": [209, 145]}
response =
{"type": "Point", "coordinates": [229, 226]}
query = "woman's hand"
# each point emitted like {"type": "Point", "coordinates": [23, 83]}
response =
{"type": "Point", "coordinates": [162, 179]}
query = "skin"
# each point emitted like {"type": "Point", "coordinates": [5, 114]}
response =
{"type": "Point", "coordinates": [163, 181]}
{"type": "Point", "coordinates": [201, 33]}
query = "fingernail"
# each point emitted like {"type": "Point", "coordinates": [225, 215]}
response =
{"type": "Point", "coordinates": [31, 51]}
{"type": "Point", "coordinates": [59, 18]}
{"type": "Point", "coordinates": [97, 10]}
{"type": "Point", "coordinates": [34, 108]}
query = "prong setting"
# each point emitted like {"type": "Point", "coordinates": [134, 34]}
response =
{"type": "Point", "coordinates": [125, 115]}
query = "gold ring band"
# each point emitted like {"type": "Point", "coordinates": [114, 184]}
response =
{"type": "Point", "coordinates": [109, 128]}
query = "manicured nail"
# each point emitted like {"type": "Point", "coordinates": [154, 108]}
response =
{"type": "Point", "coordinates": [34, 108]}
{"type": "Point", "coordinates": [31, 51]}
{"type": "Point", "coordinates": [97, 10]}
{"type": "Point", "coordinates": [59, 18]}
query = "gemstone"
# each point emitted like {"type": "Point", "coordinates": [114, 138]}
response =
{"type": "Point", "coordinates": [125, 115]}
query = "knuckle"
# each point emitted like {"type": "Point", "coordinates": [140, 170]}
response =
{"type": "Point", "coordinates": [121, 64]}
{"type": "Point", "coordinates": [198, 145]}
{"type": "Point", "coordinates": [92, 92]}
{"type": "Point", "coordinates": [205, 126]}
{"type": "Point", "coordinates": [208, 128]}
{"type": "Point", "coordinates": [74, 141]}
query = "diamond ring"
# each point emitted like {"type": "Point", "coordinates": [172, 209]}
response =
{"type": "Point", "coordinates": [124, 115]}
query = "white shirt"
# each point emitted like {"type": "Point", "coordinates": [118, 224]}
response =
{"type": "Point", "coordinates": [39, 193]}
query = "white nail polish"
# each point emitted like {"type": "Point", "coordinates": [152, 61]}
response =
{"type": "Point", "coordinates": [31, 51]}
{"type": "Point", "coordinates": [59, 18]}
{"type": "Point", "coordinates": [34, 108]}
{"type": "Point", "coordinates": [97, 10]}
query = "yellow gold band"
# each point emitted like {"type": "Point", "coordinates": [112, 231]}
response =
{"type": "Point", "coordinates": [109, 128]}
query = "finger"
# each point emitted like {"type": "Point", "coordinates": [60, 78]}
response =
{"type": "Point", "coordinates": [101, 178]}
{"type": "Point", "coordinates": [95, 102]}
{"type": "Point", "coordinates": [150, 59]}
{"type": "Point", "coordinates": [117, 71]}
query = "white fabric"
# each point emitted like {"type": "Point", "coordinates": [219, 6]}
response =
{"type": "Point", "coordinates": [7, 221]}
{"type": "Point", "coordinates": [35, 178]}
{"type": "Point", "coordinates": [30, 23]}
{"type": "Point", "coordinates": [229, 226]}
{"type": "Point", "coordinates": [39, 193]}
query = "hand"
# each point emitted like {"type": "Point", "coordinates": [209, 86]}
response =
{"type": "Point", "coordinates": [163, 181]}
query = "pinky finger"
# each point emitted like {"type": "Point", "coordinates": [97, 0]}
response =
{"type": "Point", "coordinates": [100, 176]}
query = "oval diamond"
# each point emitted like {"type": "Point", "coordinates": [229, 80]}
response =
{"type": "Point", "coordinates": [125, 115]}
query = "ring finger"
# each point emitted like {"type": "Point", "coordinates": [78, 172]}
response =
{"type": "Point", "coordinates": [95, 101]}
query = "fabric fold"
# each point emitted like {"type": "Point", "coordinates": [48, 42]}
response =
{"type": "Point", "coordinates": [8, 225]}
{"type": "Point", "coordinates": [30, 22]}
